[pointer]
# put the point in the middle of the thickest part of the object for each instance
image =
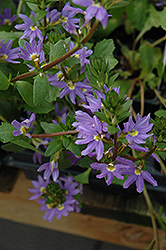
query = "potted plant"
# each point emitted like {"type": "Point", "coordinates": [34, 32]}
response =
{"type": "Point", "coordinates": [64, 97]}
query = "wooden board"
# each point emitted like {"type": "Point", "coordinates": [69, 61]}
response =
{"type": "Point", "coordinates": [15, 206]}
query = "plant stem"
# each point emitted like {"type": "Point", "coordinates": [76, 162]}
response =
{"type": "Point", "coordinates": [149, 153]}
{"type": "Point", "coordinates": [162, 165]}
{"type": "Point", "coordinates": [129, 157]}
{"type": "Point", "coordinates": [69, 132]}
{"type": "Point", "coordinates": [19, 7]}
{"type": "Point", "coordinates": [3, 119]}
{"type": "Point", "coordinates": [62, 58]}
{"type": "Point", "coordinates": [162, 100]}
{"type": "Point", "coordinates": [151, 210]}
{"type": "Point", "coordinates": [159, 41]}
{"type": "Point", "coordinates": [25, 75]}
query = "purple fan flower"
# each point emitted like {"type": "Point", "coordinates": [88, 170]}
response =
{"type": "Point", "coordinates": [143, 149]}
{"type": "Point", "coordinates": [23, 127]}
{"type": "Point", "coordinates": [71, 88]}
{"type": "Point", "coordinates": [40, 188]}
{"type": "Point", "coordinates": [52, 16]}
{"type": "Point", "coordinates": [8, 54]}
{"type": "Point", "coordinates": [94, 103]}
{"type": "Point", "coordinates": [160, 3]}
{"type": "Point", "coordinates": [85, 121]}
{"type": "Point", "coordinates": [93, 136]}
{"type": "Point", "coordinates": [66, 202]}
{"type": "Point", "coordinates": [6, 18]}
{"type": "Point", "coordinates": [51, 168]}
{"type": "Point", "coordinates": [94, 10]}
{"type": "Point", "coordinates": [33, 53]}
{"type": "Point", "coordinates": [60, 114]}
{"type": "Point", "coordinates": [68, 22]}
{"type": "Point", "coordinates": [137, 132]}
{"type": "Point", "coordinates": [136, 174]}
{"type": "Point", "coordinates": [70, 185]}
{"type": "Point", "coordinates": [82, 54]}
{"type": "Point", "coordinates": [37, 156]}
{"type": "Point", "coordinates": [59, 211]}
{"type": "Point", "coordinates": [30, 30]}
{"type": "Point", "coordinates": [74, 158]}
{"type": "Point", "coordinates": [108, 170]}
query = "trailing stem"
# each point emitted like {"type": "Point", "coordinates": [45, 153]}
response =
{"type": "Point", "coordinates": [152, 213]}
{"type": "Point", "coordinates": [142, 93]}
{"type": "Point", "coordinates": [69, 132]}
{"type": "Point", "coordinates": [62, 58]}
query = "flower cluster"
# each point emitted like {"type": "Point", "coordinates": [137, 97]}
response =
{"type": "Point", "coordinates": [56, 198]}
{"type": "Point", "coordinates": [67, 86]}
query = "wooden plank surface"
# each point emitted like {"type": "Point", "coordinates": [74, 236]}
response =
{"type": "Point", "coordinates": [15, 206]}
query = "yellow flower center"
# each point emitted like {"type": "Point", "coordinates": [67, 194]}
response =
{"type": "Point", "coordinates": [7, 21]}
{"type": "Point", "coordinates": [42, 190]}
{"type": "Point", "coordinates": [60, 207]}
{"type": "Point", "coordinates": [33, 56]}
{"type": "Point", "coordinates": [33, 28]}
{"type": "Point", "coordinates": [49, 205]}
{"type": "Point", "coordinates": [23, 129]}
{"type": "Point", "coordinates": [97, 137]}
{"type": "Point", "coordinates": [64, 19]}
{"type": "Point", "coordinates": [3, 57]}
{"type": "Point", "coordinates": [111, 167]}
{"type": "Point", "coordinates": [71, 85]}
{"type": "Point", "coordinates": [60, 76]}
{"type": "Point", "coordinates": [98, 5]}
{"type": "Point", "coordinates": [138, 171]}
{"type": "Point", "coordinates": [77, 56]}
{"type": "Point", "coordinates": [134, 133]}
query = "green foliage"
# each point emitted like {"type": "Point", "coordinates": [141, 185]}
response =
{"type": "Point", "coordinates": [83, 177]}
{"type": "Point", "coordinates": [25, 89]}
{"type": "Point", "coordinates": [59, 49]}
{"type": "Point", "coordinates": [50, 127]}
{"type": "Point", "coordinates": [54, 146]}
{"type": "Point", "coordinates": [40, 88]}
{"type": "Point", "coordinates": [6, 131]}
{"type": "Point", "coordinates": [105, 49]}
{"type": "Point", "coordinates": [4, 83]}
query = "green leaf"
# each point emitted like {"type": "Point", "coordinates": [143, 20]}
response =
{"type": "Point", "coordinates": [53, 93]}
{"type": "Point", "coordinates": [10, 35]}
{"type": "Point", "coordinates": [42, 108]}
{"type": "Point", "coordinates": [75, 149]}
{"type": "Point", "coordinates": [161, 113]}
{"type": "Point", "coordinates": [40, 88]}
{"type": "Point", "coordinates": [4, 83]}
{"type": "Point", "coordinates": [12, 147]}
{"type": "Point", "coordinates": [24, 143]}
{"type": "Point", "coordinates": [85, 162]}
{"type": "Point", "coordinates": [112, 130]}
{"type": "Point", "coordinates": [162, 18]}
{"type": "Point", "coordinates": [57, 50]}
{"type": "Point", "coordinates": [66, 141]}
{"type": "Point", "coordinates": [105, 49]}
{"type": "Point", "coordinates": [50, 127]}
{"type": "Point", "coordinates": [153, 20]}
{"type": "Point", "coordinates": [83, 177]}
{"type": "Point", "coordinates": [6, 132]}
{"type": "Point", "coordinates": [54, 146]}
{"type": "Point", "coordinates": [151, 245]}
{"type": "Point", "coordinates": [40, 14]}
{"type": "Point", "coordinates": [162, 224]}
{"type": "Point", "coordinates": [146, 56]}
{"type": "Point", "coordinates": [101, 116]}
{"type": "Point", "coordinates": [162, 154]}
{"type": "Point", "coordinates": [26, 91]}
